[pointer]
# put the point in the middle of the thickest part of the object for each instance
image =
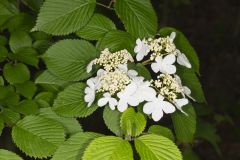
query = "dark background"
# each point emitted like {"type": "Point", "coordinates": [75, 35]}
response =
{"type": "Point", "coordinates": [213, 28]}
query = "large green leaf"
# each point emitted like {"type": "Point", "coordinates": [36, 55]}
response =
{"type": "Point", "coordinates": [26, 89]}
{"type": "Point", "coordinates": [37, 136]}
{"type": "Point", "coordinates": [26, 107]}
{"type": "Point", "coordinates": [163, 131]}
{"type": "Point", "coordinates": [132, 123]}
{"type": "Point", "coordinates": [27, 55]}
{"type": "Point", "coordinates": [7, 155]}
{"type": "Point", "coordinates": [112, 120]}
{"type": "Point", "coordinates": [70, 125]}
{"type": "Point", "coordinates": [17, 73]}
{"type": "Point", "coordinates": [8, 116]}
{"type": "Point", "coordinates": [190, 79]}
{"type": "Point", "coordinates": [8, 96]}
{"type": "Point", "coordinates": [97, 27]}
{"type": "Point", "coordinates": [47, 77]}
{"type": "Point", "coordinates": [70, 102]}
{"type": "Point", "coordinates": [19, 39]}
{"type": "Point", "coordinates": [7, 10]}
{"type": "Point", "coordinates": [117, 40]}
{"type": "Point", "coordinates": [108, 148]}
{"type": "Point", "coordinates": [64, 17]}
{"type": "Point", "coordinates": [74, 147]}
{"type": "Point", "coordinates": [3, 53]}
{"type": "Point", "coordinates": [138, 16]}
{"type": "Point", "coordinates": [183, 45]}
{"type": "Point", "coordinates": [185, 125]}
{"type": "Point", "coordinates": [156, 147]}
{"type": "Point", "coordinates": [68, 59]}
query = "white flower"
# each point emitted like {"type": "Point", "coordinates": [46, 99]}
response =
{"type": "Point", "coordinates": [135, 93]}
{"type": "Point", "coordinates": [185, 90]}
{"type": "Point", "coordinates": [179, 103]}
{"type": "Point", "coordinates": [107, 99]}
{"type": "Point", "coordinates": [172, 36]}
{"type": "Point", "coordinates": [157, 107]}
{"type": "Point", "coordinates": [89, 66]}
{"type": "Point", "coordinates": [142, 49]}
{"type": "Point", "coordinates": [164, 65]}
{"type": "Point", "coordinates": [131, 73]}
{"type": "Point", "coordinates": [183, 60]}
{"type": "Point", "coordinates": [90, 92]}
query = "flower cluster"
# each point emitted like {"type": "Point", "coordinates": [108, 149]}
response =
{"type": "Point", "coordinates": [121, 87]}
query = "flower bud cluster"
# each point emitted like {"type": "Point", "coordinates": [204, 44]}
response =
{"type": "Point", "coordinates": [110, 61]}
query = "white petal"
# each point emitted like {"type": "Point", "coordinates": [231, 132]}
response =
{"type": "Point", "coordinates": [130, 89]}
{"type": "Point", "coordinates": [181, 102]}
{"type": "Point", "coordinates": [122, 106]}
{"type": "Point", "coordinates": [186, 90]}
{"type": "Point", "coordinates": [158, 59]}
{"type": "Point", "coordinates": [178, 79]}
{"type": "Point", "coordinates": [182, 60]}
{"type": "Point", "coordinates": [139, 56]}
{"type": "Point", "coordinates": [167, 107]}
{"type": "Point", "coordinates": [149, 94]}
{"type": "Point", "coordinates": [168, 69]}
{"type": "Point", "coordinates": [173, 35]}
{"type": "Point", "coordinates": [123, 67]}
{"type": "Point", "coordinates": [89, 66]}
{"type": "Point", "coordinates": [102, 101]}
{"type": "Point", "coordinates": [90, 83]}
{"type": "Point", "coordinates": [133, 102]}
{"type": "Point", "coordinates": [155, 67]}
{"type": "Point", "coordinates": [138, 46]}
{"type": "Point", "coordinates": [113, 103]}
{"type": "Point", "coordinates": [157, 114]}
{"type": "Point", "coordinates": [148, 108]}
{"type": "Point", "coordinates": [169, 59]}
{"type": "Point", "coordinates": [132, 73]}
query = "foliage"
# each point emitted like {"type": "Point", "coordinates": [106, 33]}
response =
{"type": "Point", "coordinates": [43, 105]}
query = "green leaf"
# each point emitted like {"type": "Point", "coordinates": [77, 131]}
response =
{"type": "Point", "coordinates": [27, 55]}
{"type": "Point", "coordinates": [33, 4]}
{"type": "Point", "coordinates": [190, 79]}
{"type": "Point", "coordinates": [8, 96]}
{"type": "Point", "coordinates": [42, 45]}
{"type": "Point", "coordinates": [21, 21]}
{"type": "Point", "coordinates": [185, 125]}
{"type": "Point", "coordinates": [7, 155]}
{"type": "Point", "coordinates": [97, 27]}
{"type": "Point", "coordinates": [74, 147]}
{"type": "Point", "coordinates": [3, 40]}
{"type": "Point", "coordinates": [17, 73]}
{"type": "Point", "coordinates": [1, 125]}
{"type": "Point", "coordinates": [162, 131]}
{"type": "Point", "coordinates": [1, 81]}
{"type": "Point", "coordinates": [138, 16]}
{"type": "Point", "coordinates": [117, 40]}
{"type": "Point", "coordinates": [48, 97]}
{"type": "Point", "coordinates": [26, 89]}
{"type": "Point", "coordinates": [183, 45]}
{"type": "Point", "coordinates": [208, 132]}
{"type": "Point", "coordinates": [156, 147]}
{"type": "Point", "coordinates": [112, 120]}
{"type": "Point", "coordinates": [108, 148]}
{"type": "Point", "coordinates": [19, 39]}
{"type": "Point", "coordinates": [190, 155]}
{"type": "Point", "coordinates": [8, 116]}
{"type": "Point", "coordinates": [3, 53]}
{"type": "Point", "coordinates": [47, 77]}
{"type": "Point", "coordinates": [68, 59]}
{"type": "Point", "coordinates": [70, 125]}
{"type": "Point", "coordinates": [70, 102]}
{"type": "Point", "coordinates": [26, 107]}
{"type": "Point", "coordinates": [132, 123]}
{"type": "Point", "coordinates": [42, 134]}
{"type": "Point", "coordinates": [64, 17]}
{"type": "Point", "coordinates": [7, 10]}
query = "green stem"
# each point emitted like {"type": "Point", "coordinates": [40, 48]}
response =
{"type": "Point", "coordinates": [105, 6]}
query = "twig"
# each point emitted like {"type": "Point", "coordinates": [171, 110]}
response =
{"type": "Point", "coordinates": [146, 62]}
{"type": "Point", "coordinates": [105, 6]}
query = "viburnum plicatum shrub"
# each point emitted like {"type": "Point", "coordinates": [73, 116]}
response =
{"type": "Point", "coordinates": [136, 75]}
